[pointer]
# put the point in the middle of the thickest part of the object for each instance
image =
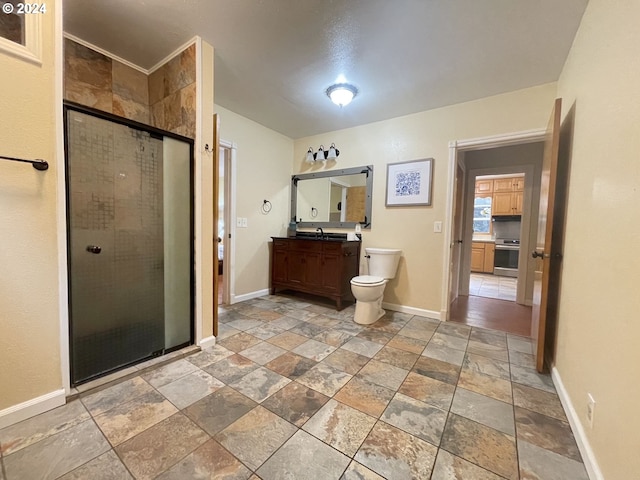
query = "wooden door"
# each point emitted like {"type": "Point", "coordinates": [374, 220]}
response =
{"type": "Point", "coordinates": [456, 236]}
{"type": "Point", "coordinates": [356, 200]}
{"type": "Point", "coordinates": [216, 234]}
{"type": "Point", "coordinates": [546, 252]}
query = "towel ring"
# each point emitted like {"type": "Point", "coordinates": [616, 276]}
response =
{"type": "Point", "coordinates": [314, 212]}
{"type": "Point", "coordinates": [266, 206]}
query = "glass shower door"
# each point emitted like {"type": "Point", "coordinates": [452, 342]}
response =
{"type": "Point", "coordinates": [116, 248]}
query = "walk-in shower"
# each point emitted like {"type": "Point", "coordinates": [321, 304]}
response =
{"type": "Point", "coordinates": [130, 241]}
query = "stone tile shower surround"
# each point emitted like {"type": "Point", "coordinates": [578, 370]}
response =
{"type": "Point", "coordinates": [407, 397]}
{"type": "Point", "coordinates": [165, 99]}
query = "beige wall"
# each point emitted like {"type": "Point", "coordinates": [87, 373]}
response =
{"type": "Point", "coordinates": [599, 329]}
{"type": "Point", "coordinates": [263, 172]}
{"type": "Point", "coordinates": [418, 283]}
{"type": "Point", "coordinates": [30, 329]}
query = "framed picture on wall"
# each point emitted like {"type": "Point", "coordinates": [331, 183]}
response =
{"type": "Point", "coordinates": [409, 183]}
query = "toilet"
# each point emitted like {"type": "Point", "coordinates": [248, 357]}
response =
{"type": "Point", "coordinates": [369, 289]}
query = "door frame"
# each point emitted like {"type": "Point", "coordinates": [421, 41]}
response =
{"type": "Point", "coordinates": [460, 146]}
{"type": "Point", "coordinates": [229, 256]}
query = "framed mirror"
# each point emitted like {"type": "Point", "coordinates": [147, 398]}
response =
{"type": "Point", "coordinates": [333, 198]}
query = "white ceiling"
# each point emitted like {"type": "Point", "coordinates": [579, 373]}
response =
{"type": "Point", "coordinates": [274, 59]}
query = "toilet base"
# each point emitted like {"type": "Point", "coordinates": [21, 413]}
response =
{"type": "Point", "coordinates": [368, 312]}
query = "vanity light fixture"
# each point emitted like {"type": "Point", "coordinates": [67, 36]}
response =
{"type": "Point", "coordinates": [322, 155]}
{"type": "Point", "coordinates": [342, 93]}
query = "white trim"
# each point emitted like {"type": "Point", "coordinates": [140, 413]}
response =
{"type": "Point", "coordinates": [104, 52]}
{"type": "Point", "coordinates": [61, 211]}
{"type": "Point", "coordinates": [412, 310]}
{"type": "Point", "coordinates": [175, 53]}
{"type": "Point", "coordinates": [31, 408]}
{"type": "Point", "coordinates": [207, 342]}
{"type": "Point", "coordinates": [455, 146]}
{"type": "Point", "coordinates": [588, 457]}
{"type": "Point", "coordinates": [502, 140]}
{"type": "Point", "coordinates": [248, 296]}
{"type": "Point", "coordinates": [197, 201]}
{"type": "Point", "coordinates": [31, 51]}
{"type": "Point", "coordinates": [229, 213]}
{"type": "Point", "coordinates": [232, 215]}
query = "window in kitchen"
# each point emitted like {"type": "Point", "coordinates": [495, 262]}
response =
{"type": "Point", "coordinates": [482, 215]}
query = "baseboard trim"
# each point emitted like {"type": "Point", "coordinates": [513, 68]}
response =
{"type": "Point", "coordinates": [412, 310]}
{"type": "Point", "coordinates": [207, 342]}
{"type": "Point", "coordinates": [588, 457]}
{"type": "Point", "coordinates": [31, 408]}
{"type": "Point", "coordinates": [248, 296]}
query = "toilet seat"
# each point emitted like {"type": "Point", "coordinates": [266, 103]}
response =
{"type": "Point", "coordinates": [368, 281]}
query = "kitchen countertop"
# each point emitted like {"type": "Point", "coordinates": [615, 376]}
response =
{"type": "Point", "coordinates": [483, 240]}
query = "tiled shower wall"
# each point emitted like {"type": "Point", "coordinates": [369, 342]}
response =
{"type": "Point", "coordinates": [165, 99]}
{"type": "Point", "coordinates": [172, 94]}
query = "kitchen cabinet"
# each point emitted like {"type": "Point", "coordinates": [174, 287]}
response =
{"type": "Point", "coordinates": [508, 194]}
{"type": "Point", "coordinates": [482, 256]}
{"type": "Point", "coordinates": [484, 186]}
{"type": "Point", "coordinates": [319, 267]}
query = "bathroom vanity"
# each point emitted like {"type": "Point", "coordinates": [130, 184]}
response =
{"type": "Point", "coordinates": [318, 266]}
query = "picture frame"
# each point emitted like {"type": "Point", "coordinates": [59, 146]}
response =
{"type": "Point", "coordinates": [409, 183]}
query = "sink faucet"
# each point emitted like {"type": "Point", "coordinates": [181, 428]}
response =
{"type": "Point", "coordinates": [319, 229]}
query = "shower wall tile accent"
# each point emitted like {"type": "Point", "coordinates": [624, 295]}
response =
{"type": "Point", "coordinates": [165, 99]}
{"type": "Point", "coordinates": [87, 77]}
{"type": "Point", "coordinates": [130, 93]}
{"type": "Point", "coordinates": [172, 94]}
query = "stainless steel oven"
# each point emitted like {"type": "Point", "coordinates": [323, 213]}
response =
{"type": "Point", "coordinates": [506, 257]}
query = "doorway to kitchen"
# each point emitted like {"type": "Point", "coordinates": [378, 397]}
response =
{"type": "Point", "coordinates": [515, 163]}
{"type": "Point", "coordinates": [497, 214]}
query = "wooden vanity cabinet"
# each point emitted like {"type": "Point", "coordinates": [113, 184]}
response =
{"type": "Point", "coordinates": [319, 267]}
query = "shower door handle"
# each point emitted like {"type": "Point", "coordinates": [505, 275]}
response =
{"type": "Point", "coordinates": [94, 249]}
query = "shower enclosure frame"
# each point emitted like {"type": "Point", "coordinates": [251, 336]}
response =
{"type": "Point", "coordinates": [72, 106]}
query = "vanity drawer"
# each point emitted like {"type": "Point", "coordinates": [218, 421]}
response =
{"type": "Point", "coordinates": [332, 247]}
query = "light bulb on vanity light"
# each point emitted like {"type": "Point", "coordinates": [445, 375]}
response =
{"type": "Point", "coordinates": [309, 157]}
{"type": "Point", "coordinates": [333, 152]}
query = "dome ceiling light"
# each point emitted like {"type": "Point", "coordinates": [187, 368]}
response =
{"type": "Point", "coordinates": [342, 93]}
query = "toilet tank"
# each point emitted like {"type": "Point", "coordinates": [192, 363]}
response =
{"type": "Point", "coordinates": [383, 262]}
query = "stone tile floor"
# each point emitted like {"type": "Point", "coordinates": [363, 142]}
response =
{"type": "Point", "coordinates": [295, 390]}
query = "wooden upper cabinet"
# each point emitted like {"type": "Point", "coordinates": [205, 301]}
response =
{"type": "Point", "coordinates": [519, 184]}
{"type": "Point", "coordinates": [502, 204]}
{"type": "Point", "coordinates": [484, 186]}
{"type": "Point", "coordinates": [517, 201]}
{"type": "Point", "coordinates": [503, 185]}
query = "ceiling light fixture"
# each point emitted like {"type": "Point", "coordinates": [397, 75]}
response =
{"type": "Point", "coordinates": [342, 93]}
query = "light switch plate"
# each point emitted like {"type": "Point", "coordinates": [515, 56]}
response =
{"type": "Point", "coordinates": [437, 227]}
{"type": "Point", "coordinates": [239, 222]}
{"type": "Point", "coordinates": [244, 222]}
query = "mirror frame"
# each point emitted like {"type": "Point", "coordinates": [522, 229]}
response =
{"type": "Point", "coordinates": [367, 170]}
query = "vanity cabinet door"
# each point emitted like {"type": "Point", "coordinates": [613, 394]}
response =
{"type": "Point", "coordinates": [279, 266]}
{"type": "Point", "coordinates": [331, 273]}
{"type": "Point", "coordinates": [313, 269]}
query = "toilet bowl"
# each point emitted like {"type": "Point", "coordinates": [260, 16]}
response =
{"type": "Point", "coordinates": [368, 290]}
